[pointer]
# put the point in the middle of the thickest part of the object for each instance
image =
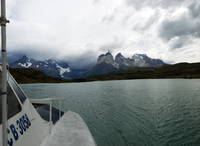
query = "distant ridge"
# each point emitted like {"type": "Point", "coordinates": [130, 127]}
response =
{"type": "Point", "coordinates": [181, 70]}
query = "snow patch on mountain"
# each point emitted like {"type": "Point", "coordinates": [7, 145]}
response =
{"type": "Point", "coordinates": [25, 65]}
{"type": "Point", "coordinates": [63, 70]}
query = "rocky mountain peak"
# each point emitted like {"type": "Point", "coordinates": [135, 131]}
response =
{"type": "Point", "coordinates": [106, 58]}
{"type": "Point", "coordinates": [108, 53]}
{"type": "Point", "coordinates": [119, 58]}
{"type": "Point", "coordinates": [139, 56]}
{"type": "Point", "coordinates": [142, 60]}
{"type": "Point", "coordinates": [119, 55]}
{"type": "Point", "coordinates": [137, 60]}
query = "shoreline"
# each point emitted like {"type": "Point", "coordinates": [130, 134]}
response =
{"type": "Point", "coordinates": [67, 81]}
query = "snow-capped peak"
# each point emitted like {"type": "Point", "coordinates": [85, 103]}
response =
{"type": "Point", "coordinates": [50, 67]}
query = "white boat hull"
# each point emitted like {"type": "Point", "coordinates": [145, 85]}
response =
{"type": "Point", "coordinates": [70, 130]}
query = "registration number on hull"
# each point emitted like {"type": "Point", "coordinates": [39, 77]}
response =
{"type": "Point", "coordinates": [17, 129]}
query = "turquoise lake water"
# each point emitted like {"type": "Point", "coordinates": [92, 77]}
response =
{"type": "Point", "coordinates": [132, 112]}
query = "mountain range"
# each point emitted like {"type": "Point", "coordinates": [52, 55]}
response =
{"type": "Point", "coordinates": [53, 68]}
{"type": "Point", "coordinates": [106, 63]}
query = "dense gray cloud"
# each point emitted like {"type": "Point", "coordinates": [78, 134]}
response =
{"type": "Point", "coordinates": [194, 9]}
{"type": "Point", "coordinates": [183, 27]}
{"type": "Point", "coordinates": [138, 4]}
{"type": "Point", "coordinates": [85, 60]}
{"type": "Point", "coordinates": [179, 42]}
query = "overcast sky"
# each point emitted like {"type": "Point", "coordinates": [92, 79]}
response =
{"type": "Point", "coordinates": [80, 29]}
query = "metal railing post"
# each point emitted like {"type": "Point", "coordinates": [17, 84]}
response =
{"type": "Point", "coordinates": [3, 22]}
{"type": "Point", "coordinates": [60, 109]}
{"type": "Point", "coordinates": [50, 116]}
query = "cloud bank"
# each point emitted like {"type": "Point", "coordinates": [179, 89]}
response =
{"type": "Point", "coordinates": [81, 30]}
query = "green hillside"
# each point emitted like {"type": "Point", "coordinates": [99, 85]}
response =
{"type": "Point", "coordinates": [23, 75]}
{"type": "Point", "coordinates": [181, 70]}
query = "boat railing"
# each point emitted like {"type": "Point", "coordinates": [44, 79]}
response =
{"type": "Point", "coordinates": [49, 101]}
{"type": "Point", "coordinates": [17, 89]}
